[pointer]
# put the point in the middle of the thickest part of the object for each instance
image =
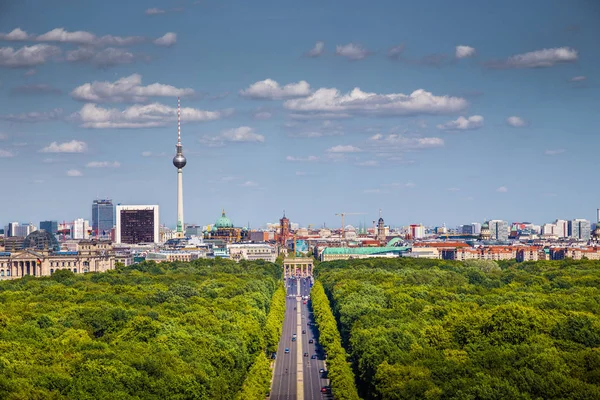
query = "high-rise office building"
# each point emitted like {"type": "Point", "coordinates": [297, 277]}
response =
{"type": "Point", "coordinates": [499, 230]}
{"type": "Point", "coordinates": [137, 224]}
{"type": "Point", "coordinates": [49, 226]}
{"type": "Point", "coordinates": [580, 229]}
{"type": "Point", "coordinates": [562, 228]}
{"type": "Point", "coordinates": [103, 218]}
{"type": "Point", "coordinates": [81, 229]}
{"type": "Point", "coordinates": [10, 229]}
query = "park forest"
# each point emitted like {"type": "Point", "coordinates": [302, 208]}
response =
{"type": "Point", "coordinates": [433, 329]}
{"type": "Point", "coordinates": [392, 329]}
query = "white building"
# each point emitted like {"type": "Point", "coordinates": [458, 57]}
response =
{"type": "Point", "coordinates": [81, 229]}
{"type": "Point", "coordinates": [252, 251]}
{"type": "Point", "coordinates": [137, 224]}
{"type": "Point", "coordinates": [562, 228]}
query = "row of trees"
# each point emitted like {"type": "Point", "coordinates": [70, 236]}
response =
{"type": "Point", "coordinates": [477, 330]}
{"type": "Point", "coordinates": [152, 331]}
{"type": "Point", "coordinates": [258, 381]}
{"type": "Point", "coordinates": [339, 370]}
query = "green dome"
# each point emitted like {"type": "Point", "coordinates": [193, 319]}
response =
{"type": "Point", "coordinates": [223, 222]}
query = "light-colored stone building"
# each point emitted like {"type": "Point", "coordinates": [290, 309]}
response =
{"type": "Point", "coordinates": [92, 256]}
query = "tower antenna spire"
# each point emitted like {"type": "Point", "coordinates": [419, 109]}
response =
{"type": "Point", "coordinates": [178, 121]}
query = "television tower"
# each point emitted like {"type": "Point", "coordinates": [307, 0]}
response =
{"type": "Point", "coordinates": [179, 162]}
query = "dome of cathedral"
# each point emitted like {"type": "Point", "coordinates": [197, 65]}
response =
{"type": "Point", "coordinates": [223, 222]}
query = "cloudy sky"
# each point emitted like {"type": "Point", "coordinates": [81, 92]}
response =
{"type": "Point", "coordinates": [442, 112]}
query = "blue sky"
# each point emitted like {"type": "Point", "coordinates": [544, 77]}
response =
{"type": "Point", "coordinates": [437, 112]}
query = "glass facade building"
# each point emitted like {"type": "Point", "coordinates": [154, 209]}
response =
{"type": "Point", "coordinates": [103, 218]}
{"type": "Point", "coordinates": [580, 229]}
{"type": "Point", "coordinates": [49, 226]}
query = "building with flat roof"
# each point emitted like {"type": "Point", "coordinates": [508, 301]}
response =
{"type": "Point", "coordinates": [103, 218]}
{"type": "Point", "coordinates": [137, 224]}
{"type": "Point", "coordinates": [49, 226]}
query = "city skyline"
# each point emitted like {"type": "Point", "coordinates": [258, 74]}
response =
{"type": "Point", "coordinates": [481, 115]}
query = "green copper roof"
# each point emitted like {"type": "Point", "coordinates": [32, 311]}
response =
{"type": "Point", "coordinates": [393, 241]}
{"type": "Point", "coordinates": [223, 222]}
{"type": "Point", "coordinates": [364, 250]}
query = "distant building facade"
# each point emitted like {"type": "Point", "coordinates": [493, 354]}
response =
{"type": "Point", "coordinates": [91, 256]}
{"type": "Point", "coordinates": [103, 218]}
{"type": "Point", "coordinates": [49, 226]}
{"type": "Point", "coordinates": [580, 229]}
{"type": "Point", "coordinates": [499, 230]}
{"type": "Point", "coordinates": [137, 224]}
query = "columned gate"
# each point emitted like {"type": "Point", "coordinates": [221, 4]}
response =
{"type": "Point", "coordinates": [298, 266]}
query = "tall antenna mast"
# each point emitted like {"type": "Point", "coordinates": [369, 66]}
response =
{"type": "Point", "coordinates": [178, 122]}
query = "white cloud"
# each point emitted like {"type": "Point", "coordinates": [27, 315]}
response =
{"type": "Point", "coordinates": [262, 115]}
{"type": "Point", "coordinates": [146, 153]}
{"type": "Point", "coordinates": [343, 149]}
{"type": "Point", "coordinates": [5, 154]}
{"type": "Point", "coordinates": [126, 89]}
{"type": "Point", "coordinates": [502, 189]}
{"type": "Point", "coordinates": [243, 134]}
{"type": "Point", "coordinates": [60, 35]}
{"type": "Point", "coordinates": [464, 51]}
{"type": "Point", "coordinates": [538, 59]}
{"type": "Point", "coordinates": [410, 185]}
{"type": "Point", "coordinates": [15, 35]}
{"type": "Point", "coordinates": [579, 78]}
{"type": "Point", "coordinates": [139, 116]}
{"type": "Point", "coordinates": [30, 72]}
{"type": "Point", "coordinates": [462, 123]}
{"type": "Point", "coordinates": [516, 122]}
{"type": "Point", "coordinates": [302, 159]}
{"type": "Point", "coordinates": [63, 36]}
{"type": "Point", "coordinates": [155, 11]}
{"type": "Point", "coordinates": [395, 51]}
{"type": "Point", "coordinates": [397, 142]}
{"type": "Point", "coordinates": [168, 39]}
{"type": "Point", "coordinates": [74, 146]}
{"type": "Point", "coordinates": [453, 189]}
{"type": "Point", "coordinates": [103, 164]}
{"type": "Point", "coordinates": [332, 102]}
{"type": "Point", "coordinates": [271, 90]}
{"type": "Point", "coordinates": [27, 56]}
{"type": "Point", "coordinates": [352, 51]}
{"type": "Point", "coordinates": [369, 163]}
{"type": "Point", "coordinates": [317, 50]}
{"type": "Point", "coordinates": [104, 58]}
{"type": "Point", "coordinates": [249, 184]}
{"type": "Point", "coordinates": [34, 116]}
{"type": "Point", "coordinates": [74, 172]}
{"type": "Point", "coordinates": [554, 152]}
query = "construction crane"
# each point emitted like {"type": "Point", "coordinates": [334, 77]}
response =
{"type": "Point", "coordinates": [343, 214]}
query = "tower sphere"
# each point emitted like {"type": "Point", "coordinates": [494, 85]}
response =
{"type": "Point", "coordinates": [179, 161]}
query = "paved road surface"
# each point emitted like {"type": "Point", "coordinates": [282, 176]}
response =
{"type": "Point", "coordinates": [298, 377]}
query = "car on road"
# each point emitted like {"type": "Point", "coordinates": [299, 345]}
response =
{"type": "Point", "coordinates": [325, 389]}
{"type": "Point", "coordinates": [303, 331]}
{"type": "Point", "coordinates": [314, 356]}
{"type": "Point", "coordinates": [322, 370]}
{"type": "Point", "coordinates": [305, 354]}
{"type": "Point", "coordinates": [310, 341]}
{"type": "Point", "coordinates": [287, 350]}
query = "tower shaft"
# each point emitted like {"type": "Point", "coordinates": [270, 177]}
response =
{"type": "Point", "coordinates": [179, 201]}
